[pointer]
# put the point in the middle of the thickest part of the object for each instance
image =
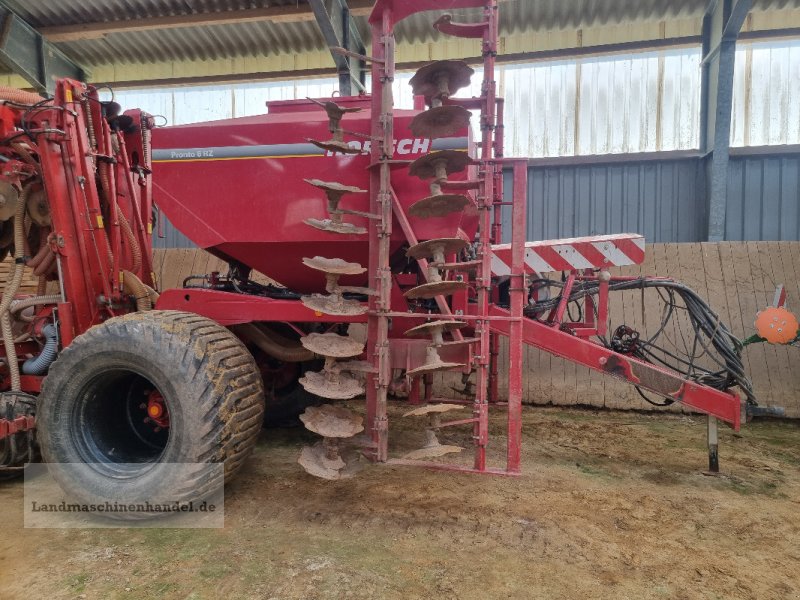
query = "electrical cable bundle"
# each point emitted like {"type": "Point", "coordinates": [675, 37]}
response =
{"type": "Point", "coordinates": [711, 337]}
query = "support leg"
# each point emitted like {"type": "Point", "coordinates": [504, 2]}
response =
{"type": "Point", "coordinates": [713, 445]}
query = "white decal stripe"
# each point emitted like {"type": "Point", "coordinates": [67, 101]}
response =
{"type": "Point", "coordinates": [639, 242]}
{"type": "Point", "coordinates": [537, 263]}
{"type": "Point", "coordinates": [499, 268]}
{"type": "Point", "coordinates": [614, 255]}
{"type": "Point", "coordinates": [570, 254]}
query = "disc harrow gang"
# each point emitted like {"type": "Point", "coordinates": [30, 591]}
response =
{"type": "Point", "coordinates": [335, 303]}
{"type": "Point", "coordinates": [432, 448]}
{"type": "Point", "coordinates": [436, 286]}
{"type": "Point", "coordinates": [335, 224]}
{"type": "Point", "coordinates": [335, 113]}
{"type": "Point", "coordinates": [436, 166]}
{"type": "Point", "coordinates": [440, 121]}
{"type": "Point", "coordinates": [433, 362]}
{"type": "Point", "coordinates": [437, 81]}
{"type": "Point", "coordinates": [456, 256]}
{"type": "Point", "coordinates": [441, 79]}
{"type": "Point", "coordinates": [333, 423]}
{"type": "Point", "coordinates": [334, 381]}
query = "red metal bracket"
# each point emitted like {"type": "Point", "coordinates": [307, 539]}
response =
{"type": "Point", "coordinates": [725, 405]}
{"type": "Point", "coordinates": [9, 428]}
{"type": "Point", "coordinates": [446, 25]}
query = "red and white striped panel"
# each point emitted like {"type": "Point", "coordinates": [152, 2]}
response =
{"type": "Point", "coordinates": [594, 252]}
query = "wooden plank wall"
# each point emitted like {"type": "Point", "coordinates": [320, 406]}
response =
{"type": "Point", "coordinates": [736, 278]}
{"type": "Point", "coordinates": [29, 280]}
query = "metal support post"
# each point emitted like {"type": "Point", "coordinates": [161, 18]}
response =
{"type": "Point", "coordinates": [517, 292]}
{"type": "Point", "coordinates": [379, 233]}
{"type": "Point", "coordinates": [721, 26]}
{"type": "Point", "coordinates": [339, 31]}
{"type": "Point", "coordinates": [713, 445]}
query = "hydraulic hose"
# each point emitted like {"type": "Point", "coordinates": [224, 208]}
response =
{"type": "Point", "coordinates": [136, 251]}
{"type": "Point", "coordinates": [18, 305]}
{"type": "Point", "coordinates": [38, 365]}
{"type": "Point", "coordinates": [34, 262]}
{"type": "Point", "coordinates": [26, 156]}
{"type": "Point", "coordinates": [131, 284]}
{"type": "Point", "coordinates": [19, 96]}
{"type": "Point", "coordinates": [273, 344]}
{"type": "Point", "coordinates": [154, 295]}
{"type": "Point", "coordinates": [44, 267]}
{"type": "Point", "coordinates": [11, 289]}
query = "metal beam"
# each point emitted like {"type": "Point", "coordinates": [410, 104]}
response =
{"type": "Point", "coordinates": [721, 26]}
{"type": "Point", "coordinates": [274, 14]}
{"type": "Point", "coordinates": [338, 29]}
{"type": "Point", "coordinates": [24, 51]}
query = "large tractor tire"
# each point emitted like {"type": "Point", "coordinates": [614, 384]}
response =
{"type": "Point", "coordinates": [96, 411]}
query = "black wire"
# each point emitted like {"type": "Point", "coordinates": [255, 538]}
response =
{"type": "Point", "coordinates": [724, 349]}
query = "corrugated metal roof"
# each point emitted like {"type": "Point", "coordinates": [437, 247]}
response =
{"type": "Point", "coordinates": [197, 43]}
{"type": "Point", "coordinates": [264, 38]}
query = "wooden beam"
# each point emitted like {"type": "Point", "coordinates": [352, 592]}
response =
{"type": "Point", "coordinates": [273, 14]}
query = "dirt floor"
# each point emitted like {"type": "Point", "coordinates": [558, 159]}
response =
{"type": "Point", "coordinates": [611, 505]}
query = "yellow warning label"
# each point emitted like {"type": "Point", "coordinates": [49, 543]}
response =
{"type": "Point", "coordinates": [68, 95]}
{"type": "Point", "coordinates": [100, 221]}
{"type": "Point", "coordinates": [149, 228]}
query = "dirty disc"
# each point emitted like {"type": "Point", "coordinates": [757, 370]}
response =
{"type": "Point", "coordinates": [334, 110]}
{"type": "Point", "coordinates": [432, 452]}
{"type": "Point", "coordinates": [321, 457]}
{"type": "Point", "coordinates": [439, 205]}
{"type": "Point", "coordinates": [427, 329]}
{"type": "Point", "coordinates": [332, 421]}
{"type": "Point", "coordinates": [433, 408]}
{"type": "Point", "coordinates": [343, 387]}
{"type": "Point", "coordinates": [436, 288]}
{"type": "Point", "coordinates": [439, 122]}
{"type": "Point", "coordinates": [425, 82]}
{"type": "Point", "coordinates": [328, 225]}
{"type": "Point", "coordinates": [428, 248]}
{"type": "Point", "coordinates": [335, 146]}
{"type": "Point", "coordinates": [333, 186]}
{"type": "Point", "coordinates": [8, 200]}
{"type": "Point", "coordinates": [334, 305]}
{"type": "Point", "coordinates": [454, 161]}
{"type": "Point", "coordinates": [335, 266]}
{"type": "Point", "coordinates": [38, 208]}
{"type": "Point", "coordinates": [332, 344]}
{"type": "Point", "coordinates": [315, 463]}
{"type": "Point", "coordinates": [433, 367]}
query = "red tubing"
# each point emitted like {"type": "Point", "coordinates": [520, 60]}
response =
{"type": "Point", "coordinates": [15, 95]}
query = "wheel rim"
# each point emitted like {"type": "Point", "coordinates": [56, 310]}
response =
{"type": "Point", "coordinates": [117, 433]}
